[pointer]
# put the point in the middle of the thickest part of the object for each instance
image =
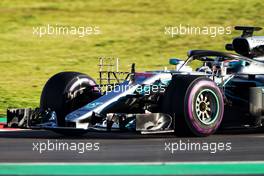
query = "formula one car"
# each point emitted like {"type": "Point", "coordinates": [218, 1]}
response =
{"type": "Point", "coordinates": [207, 91]}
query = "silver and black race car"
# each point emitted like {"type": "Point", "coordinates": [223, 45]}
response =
{"type": "Point", "coordinates": [208, 90]}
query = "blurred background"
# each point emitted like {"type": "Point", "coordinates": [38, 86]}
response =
{"type": "Point", "coordinates": [131, 30]}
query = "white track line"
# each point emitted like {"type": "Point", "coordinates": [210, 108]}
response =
{"type": "Point", "coordinates": [13, 129]}
{"type": "Point", "coordinates": [136, 163]}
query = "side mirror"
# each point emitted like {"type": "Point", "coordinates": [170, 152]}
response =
{"type": "Point", "coordinates": [175, 61]}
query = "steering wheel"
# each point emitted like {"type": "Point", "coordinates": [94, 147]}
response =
{"type": "Point", "coordinates": [205, 69]}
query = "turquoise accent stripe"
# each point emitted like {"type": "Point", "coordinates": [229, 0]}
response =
{"type": "Point", "coordinates": [2, 119]}
{"type": "Point", "coordinates": [133, 169]}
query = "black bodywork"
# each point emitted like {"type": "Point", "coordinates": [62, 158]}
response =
{"type": "Point", "coordinates": [235, 79]}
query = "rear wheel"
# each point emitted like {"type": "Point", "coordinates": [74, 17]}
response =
{"type": "Point", "coordinates": [66, 92]}
{"type": "Point", "coordinates": [197, 104]}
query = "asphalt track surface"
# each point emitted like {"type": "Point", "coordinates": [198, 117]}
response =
{"type": "Point", "coordinates": [18, 146]}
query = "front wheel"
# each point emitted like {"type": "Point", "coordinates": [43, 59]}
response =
{"type": "Point", "coordinates": [66, 92]}
{"type": "Point", "coordinates": [197, 104]}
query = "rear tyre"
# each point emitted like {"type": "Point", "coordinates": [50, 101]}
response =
{"type": "Point", "coordinates": [197, 104]}
{"type": "Point", "coordinates": [66, 92]}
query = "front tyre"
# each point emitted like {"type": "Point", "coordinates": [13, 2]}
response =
{"type": "Point", "coordinates": [197, 104]}
{"type": "Point", "coordinates": [66, 92]}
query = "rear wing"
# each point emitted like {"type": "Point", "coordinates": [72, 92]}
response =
{"type": "Point", "coordinates": [247, 45]}
{"type": "Point", "coordinates": [247, 31]}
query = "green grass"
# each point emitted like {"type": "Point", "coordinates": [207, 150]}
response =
{"type": "Point", "coordinates": [131, 30]}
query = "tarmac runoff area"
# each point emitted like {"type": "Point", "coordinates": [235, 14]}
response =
{"type": "Point", "coordinates": [40, 152]}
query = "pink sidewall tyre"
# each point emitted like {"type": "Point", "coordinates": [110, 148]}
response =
{"type": "Point", "coordinates": [203, 107]}
{"type": "Point", "coordinates": [197, 104]}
